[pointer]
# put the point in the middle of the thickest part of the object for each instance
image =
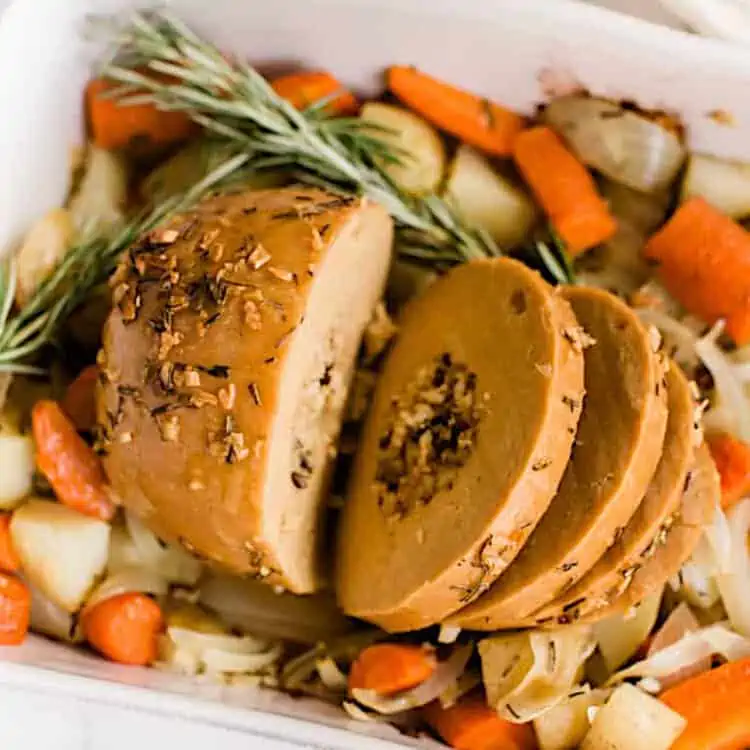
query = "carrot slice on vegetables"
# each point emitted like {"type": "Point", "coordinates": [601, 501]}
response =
{"type": "Point", "coordinates": [79, 402]}
{"type": "Point", "coordinates": [472, 725]}
{"type": "Point", "coordinates": [305, 89]}
{"type": "Point", "coordinates": [704, 262]}
{"type": "Point", "coordinates": [564, 188]}
{"type": "Point", "coordinates": [472, 119]}
{"type": "Point", "coordinates": [70, 465]}
{"type": "Point", "coordinates": [125, 628]}
{"type": "Point", "coordinates": [15, 609]}
{"type": "Point", "coordinates": [716, 705]}
{"type": "Point", "coordinates": [143, 126]}
{"type": "Point", "coordinates": [9, 560]}
{"type": "Point", "coordinates": [389, 668]}
{"type": "Point", "coordinates": [732, 459]}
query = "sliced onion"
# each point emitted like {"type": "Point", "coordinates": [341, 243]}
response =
{"type": "Point", "coordinates": [231, 662]}
{"type": "Point", "coordinates": [680, 623]}
{"type": "Point", "coordinates": [173, 562]}
{"type": "Point", "coordinates": [331, 675]}
{"type": "Point", "coordinates": [446, 674]}
{"type": "Point", "coordinates": [126, 581]}
{"type": "Point", "coordinates": [697, 577]}
{"type": "Point", "coordinates": [678, 337]}
{"type": "Point", "coordinates": [199, 643]}
{"type": "Point", "coordinates": [463, 686]}
{"type": "Point", "coordinates": [715, 640]}
{"type": "Point", "coordinates": [256, 608]}
{"type": "Point", "coordinates": [728, 536]}
{"type": "Point", "coordinates": [626, 146]}
{"type": "Point", "coordinates": [529, 673]}
{"type": "Point", "coordinates": [732, 414]}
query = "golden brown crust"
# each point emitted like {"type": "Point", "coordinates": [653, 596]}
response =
{"type": "Point", "coordinates": [702, 496]}
{"type": "Point", "coordinates": [207, 309]}
{"type": "Point", "coordinates": [650, 524]}
{"type": "Point", "coordinates": [617, 448]}
{"type": "Point", "coordinates": [522, 342]}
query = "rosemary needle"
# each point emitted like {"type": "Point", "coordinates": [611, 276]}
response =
{"type": "Point", "coordinates": [235, 102]}
{"type": "Point", "coordinates": [86, 265]}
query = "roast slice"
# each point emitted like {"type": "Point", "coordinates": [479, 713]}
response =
{"type": "Point", "coordinates": [701, 497]}
{"type": "Point", "coordinates": [617, 448]}
{"type": "Point", "coordinates": [226, 365]}
{"type": "Point", "coordinates": [467, 438]}
{"type": "Point", "coordinates": [648, 527]}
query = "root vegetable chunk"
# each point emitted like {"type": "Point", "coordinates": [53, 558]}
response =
{"type": "Point", "coordinates": [227, 361]}
{"type": "Point", "coordinates": [647, 530]}
{"type": "Point", "coordinates": [465, 443]}
{"type": "Point", "coordinates": [617, 448]}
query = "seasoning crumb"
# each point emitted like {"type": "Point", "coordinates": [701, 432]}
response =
{"type": "Point", "coordinates": [195, 485]}
{"type": "Point", "coordinates": [255, 393]}
{"type": "Point", "coordinates": [281, 274]}
{"type": "Point", "coordinates": [125, 438]}
{"type": "Point", "coordinates": [228, 396]}
{"type": "Point", "coordinates": [259, 257]}
{"type": "Point", "coordinates": [169, 427]}
{"type": "Point", "coordinates": [433, 430]}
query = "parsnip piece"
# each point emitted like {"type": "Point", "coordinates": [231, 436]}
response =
{"type": "Point", "coordinates": [62, 552]}
{"type": "Point", "coordinates": [16, 469]}
{"type": "Point", "coordinates": [42, 249]}
{"type": "Point", "coordinates": [423, 160]}
{"type": "Point", "coordinates": [633, 720]}
{"type": "Point", "coordinates": [489, 200]}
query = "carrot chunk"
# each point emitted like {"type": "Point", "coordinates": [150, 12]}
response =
{"type": "Point", "coordinates": [305, 89]}
{"type": "Point", "coordinates": [732, 459]}
{"type": "Point", "coordinates": [716, 705]}
{"type": "Point", "coordinates": [474, 120]}
{"type": "Point", "coordinates": [15, 610]}
{"type": "Point", "coordinates": [9, 560]}
{"type": "Point", "coordinates": [472, 725]}
{"type": "Point", "coordinates": [564, 188]}
{"type": "Point", "coordinates": [143, 126]}
{"type": "Point", "coordinates": [125, 628]}
{"type": "Point", "coordinates": [704, 262]}
{"type": "Point", "coordinates": [79, 402]}
{"type": "Point", "coordinates": [70, 465]}
{"type": "Point", "coordinates": [389, 668]}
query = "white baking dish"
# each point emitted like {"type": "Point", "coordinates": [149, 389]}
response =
{"type": "Point", "coordinates": [494, 47]}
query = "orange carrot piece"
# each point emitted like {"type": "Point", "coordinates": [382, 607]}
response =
{"type": "Point", "coordinates": [716, 705]}
{"type": "Point", "coordinates": [305, 89]}
{"type": "Point", "coordinates": [79, 402]}
{"type": "Point", "coordinates": [732, 459]}
{"type": "Point", "coordinates": [564, 188]}
{"type": "Point", "coordinates": [143, 126]}
{"type": "Point", "coordinates": [70, 465]}
{"type": "Point", "coordinates": [15, 610]}
{"type": "Point", "coordinates": [9, 560]}
{"type": "Point", "coordinates": [472, 725]}
{"type": "Point", "coordinates": [704, 262]}
{"type": "Point", "coordinates": [474, 120]}
{"type": "Point", "coordinates": [125, 628]}
{"type": "Point", "coordinates": [389, 668]}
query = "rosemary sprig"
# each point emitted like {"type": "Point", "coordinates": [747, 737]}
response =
{"type": "Point", "coordinates": [232, 100]}
{"type": "Point", "coordinates": [86, 265]}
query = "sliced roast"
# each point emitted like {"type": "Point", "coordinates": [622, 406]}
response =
{"type": "Point", "coordinates": [617, 448]}
{"type": "Point", "coordinates": [226, 364]}
{"type": "Point", "coordinates": [701, 497]}
{"type": "Point", "coordinates": [467, 438]}
{"type": "Point", "coordinates": [651, 522]}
